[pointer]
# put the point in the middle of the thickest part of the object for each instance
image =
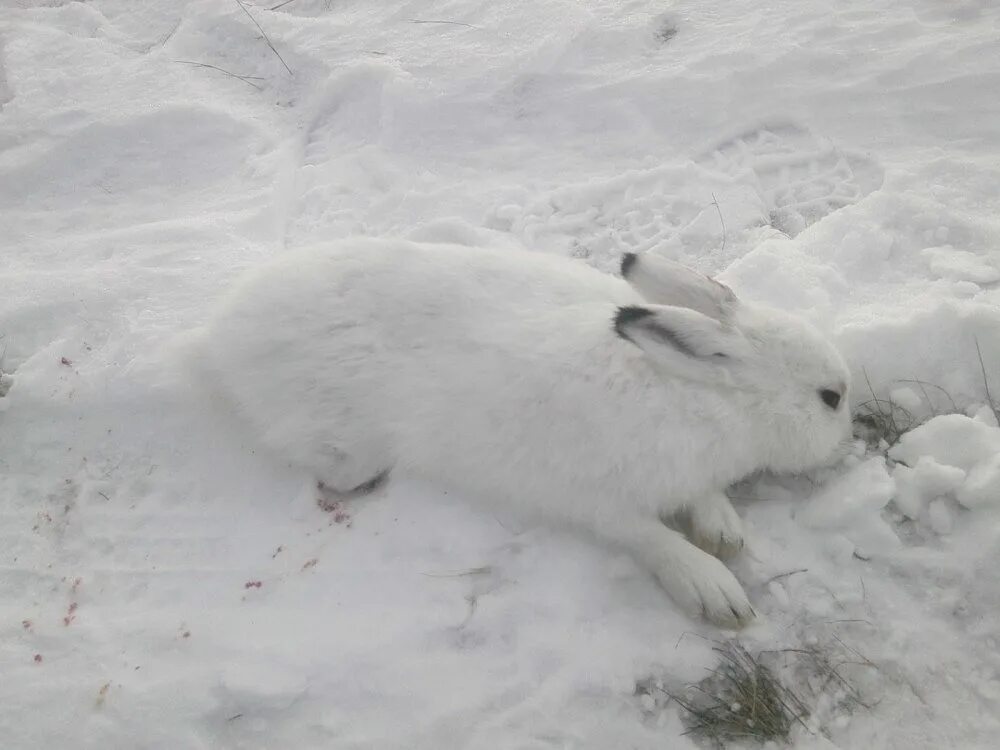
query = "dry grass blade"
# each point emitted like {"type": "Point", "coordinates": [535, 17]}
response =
{"type": "Point", "coordinates": [249, 80]}
{"type": "Point", "coordinates": [264, 34]}
{"type": "Point", "coordinates": [786, 575]}
{"type": "Point", "coordinates": [459, 573]}
{"type": "Point", "coordinates": [864, 659]}
{"type": "Point", "coordinates": [450, 23]}
{"type": "Point", "coordinates": [715, 202]}
{"type": "Point", "coordinates": [889, 415]}
{"type": "Point", "coordinates": [986, 384]}
{"type": "Point", "coordinates": [923, 389]}
{"type": "Point", "coordinates": [281, 5]}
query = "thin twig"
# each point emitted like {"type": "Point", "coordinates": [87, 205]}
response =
{"type": "Point", "coordinates": [867, 662]}
{"type": "Point", "coordinates": [927, 398]}
{"type": "Point", "coordinates": [281, 5]}
{"type": "Point", "coordinates": [889, 415]}
{"type": "Point", "coordinates": [785, 575]}
{"type": "Point", "coordinates": [452, 23]}
{"type": "Point", "coordinates": [853, 691]}
{"type": "Point", "coordinates": [871, 389]}
{"type": "Point", "coordinates": [459, 573]}
{"type": "Point", "coordinates": [688, 632]}
{"type": "Point", "coordinates": [986, 383]}
{"type": "Point", "coordinates": [246, 79]}
{"type": "Point", "coordinates": [263, 34]}
{"type": "Point", "coordinates": [715, 202]}
{"type": "Point", "coordinates": [503, 525]}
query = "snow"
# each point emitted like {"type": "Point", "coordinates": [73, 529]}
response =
{"type": "Point", "coordinates": [951, 453]}
{"type": "Point", "coordinates": [927, 479]}
{"type": "Point", "coordinates": [982, 485]}
{"type": "Point", "coordinates": [851, 152]}
{"type": "Point", "coordinates": [907, 398]}
{"type": "Point", "coordinates": [952, 439]}
{"type": "Point", "coordinates": [948, 263]}
{"type": "Point", "coordinates": [852, 505]}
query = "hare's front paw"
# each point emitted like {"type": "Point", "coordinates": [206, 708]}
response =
{"type": "Point", "coordinates": [715, 526]}
{"type": "Point", "coordinates": [702, 584]}
{"type": "Point", "coordinates": [698, 582]}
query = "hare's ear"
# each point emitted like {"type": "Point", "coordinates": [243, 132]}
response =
{"type": "Point", "coordinates": [665, 282]}
{"type": "Point", "coordinates": [680, 338]}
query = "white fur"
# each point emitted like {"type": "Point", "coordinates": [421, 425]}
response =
{"type": "Point", "coordinates": [500, 374]}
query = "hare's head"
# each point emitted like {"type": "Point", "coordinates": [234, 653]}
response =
{"type": "Point", "coordinates": [787, 380]}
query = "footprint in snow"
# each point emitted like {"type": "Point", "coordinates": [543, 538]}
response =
{"type": "Point", "coordinates": [802, 177]}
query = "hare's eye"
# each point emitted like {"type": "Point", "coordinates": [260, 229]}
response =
{"type": "Point", "coordinates": [830, 398]}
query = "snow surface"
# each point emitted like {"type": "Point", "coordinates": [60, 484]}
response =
{"type": "Point", "coordinates": [164, 587]}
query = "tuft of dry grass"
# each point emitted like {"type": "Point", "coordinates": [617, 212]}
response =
{"type": "Point", "coordinates": [881, 419]}
{"type": "Point", "coordinates": [742, 698]}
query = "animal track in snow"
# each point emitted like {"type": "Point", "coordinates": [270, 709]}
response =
{"type": "Point", "coordinates": [781, 175]}
{"type": "Point", "coordinates": [801, 177]}
{"type": "Point", "coordinates": [669, 208]}
{"type": "Point", "coordinates": [334, 171]}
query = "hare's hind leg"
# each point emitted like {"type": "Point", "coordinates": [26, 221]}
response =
{"type": "Point", "coordinates": [366, 488]}
{"type": "Point", "coordinates": [334, 495]}
{"type": "Point", "coordinates": [346, 476]}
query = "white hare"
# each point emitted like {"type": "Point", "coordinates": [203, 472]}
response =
{"type": "Point", "coordinates": [618, 406]}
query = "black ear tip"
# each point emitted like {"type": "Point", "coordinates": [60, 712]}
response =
{"type": "Point", "coordinates": [628, 260]}
{"type": "Point", "coordinates": [627, 315]}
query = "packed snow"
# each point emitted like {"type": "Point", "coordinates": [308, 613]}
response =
{"type": "Point", "coordinates": [168, 585]}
